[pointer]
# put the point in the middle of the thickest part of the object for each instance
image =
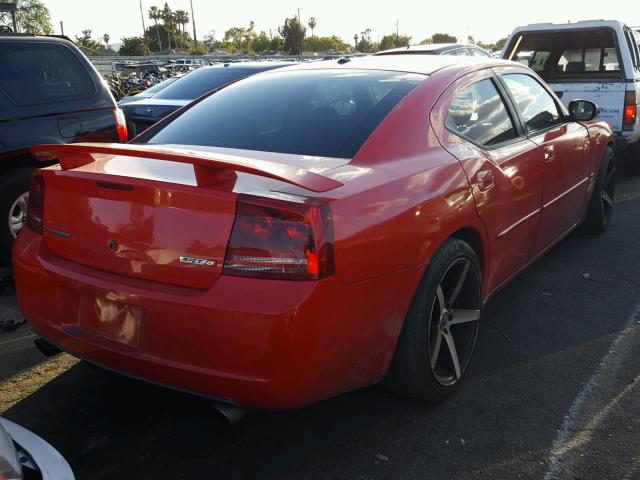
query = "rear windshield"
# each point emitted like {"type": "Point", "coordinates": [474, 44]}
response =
{"type": "Point", "coordinates": [202, 81]}
{"type": "Point", "coordinates": [38, 73]}
{"type": "Point", "coordinates": [589, 54]}
{"type": "Point", "coordinates": [323, 112]}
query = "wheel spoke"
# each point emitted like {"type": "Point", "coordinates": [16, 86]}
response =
{"type": "Point", "coordinates": [610, 174]}
{"type": "Point", "coordinates": [436, 349]}
{"type": "Point", "coordinates": [606, 198]}
{"type": "Point", "coordinates": [459, 283]}
{"type": "Point", "coordinates": [440, 296]}
{"type": "Point", "coordinates": [465, 316]}
{"type": "Point", "coordinates": [454, 353]}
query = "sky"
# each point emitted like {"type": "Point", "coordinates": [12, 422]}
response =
{"type": "Point", "coordinates": [486, 20]}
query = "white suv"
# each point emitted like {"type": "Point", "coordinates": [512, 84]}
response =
{"type": "Point", "coordinates": [597, 60]}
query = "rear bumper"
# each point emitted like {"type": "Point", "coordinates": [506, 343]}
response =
{"type": "Point", "coordinates": [257, 343]}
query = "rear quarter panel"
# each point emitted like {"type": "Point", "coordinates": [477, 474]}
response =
{"type": "Point", "coordinates": [403, 195]}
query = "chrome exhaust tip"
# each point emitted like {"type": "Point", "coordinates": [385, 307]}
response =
{"type": "Point", "coordinates": [230, 413]}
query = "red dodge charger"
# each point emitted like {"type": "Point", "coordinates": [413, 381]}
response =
{"type": "Point", "coordinates": [310, 230]}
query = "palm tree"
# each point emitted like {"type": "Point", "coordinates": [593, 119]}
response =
{"type": "Point", "coordinates": [312, 24]}
{"type": "Point", "coordinates": [167, 18]}
{"type": "Point", "coordinates": [155, 15]}
{"type": "Point", "coordinates": [106, 39]}
{"type": "Point", "coordinates": [181, 18]}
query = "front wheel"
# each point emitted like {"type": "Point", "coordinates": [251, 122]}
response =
{"type": "Point", "coordinates": [604, 191]}
{"type": "Point", "coordinates": [439, 335]}
{"type": "Point", "coordinates": [14, 194]}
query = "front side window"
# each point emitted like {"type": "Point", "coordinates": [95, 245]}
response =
{"type": "Point", "coordinates": [537, 107]}
{"type": "Point", "coordinates": [478, 113]}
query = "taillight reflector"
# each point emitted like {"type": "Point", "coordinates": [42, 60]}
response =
{"type": "Point", "coordinates": [121, 125]}
{"type": "Point", "coordinates": [280, 240]}
{"type": "Point", "coordinates": [35, 209]}
{"type": "Point", "coordinates": [630, 109]}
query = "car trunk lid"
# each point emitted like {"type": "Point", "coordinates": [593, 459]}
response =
{"type": "Point", "coordinates": [159, 214]}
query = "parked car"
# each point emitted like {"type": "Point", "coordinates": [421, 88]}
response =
{"type": "Point", "coordinates": [311, 230]}
{"type": "Point", "coordinates": [596, 60]}
{"type": "Point", "coordinates": [24, 455]}
{"type": "Point", "coordinates": [149, 92]}
{"type": "Point", "coordinates": [458, 49]}
{"type": "Point", "coordinates": [144, 69]}
{"type": "Point", "coordinates": [49, 93]}
{"type": "Point", "coordinates": [142, 114]}
{"type": "Point", "coordinates": [191, 61]}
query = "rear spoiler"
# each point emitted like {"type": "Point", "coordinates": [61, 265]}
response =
{"type": "Point", "coordinates": [210, 168]}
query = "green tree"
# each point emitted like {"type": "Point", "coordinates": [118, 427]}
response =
{"type": "Point", "coordinates": [155, 15]}
{"type": "Point", "coordinates": [393, 41]}
{"type": "Point", "coordinates": [86, 41]}
{"type": "Point", "coordinates": [312, 24]}
{"type": "Point", "coordinates": [167, 18]}
{"type": "Point", "coordinates": [324, 44]}
{"type": "Point", "coordinates": [276, 44]}
{"type": "Point", "coordinates": [181, 18]}
{"type": "Point", "coordinates": [443, 38]}
{"type": "Point", "coordinates": [240, 38]}
{"type": "Point", "coordinates": [133, 46]}
{"type": "Point", "coordinates": [293, 33]}
{"type": "Point", "coordinates": [261, 43]}
{"type": "Point", "coordinates": [365, 44]}
{"type": "Point", "coordinates": [32, 16]}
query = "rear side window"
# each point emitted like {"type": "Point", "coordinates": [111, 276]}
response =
{"type": "Point", "coordinates": [479, 114]}
{"type": "Point", "coordinates": [201, 81]}
{"type": "Point", "coordinates": [324, 113]}
{"type": "Point", "coordinates": [36, 73]}
{"type": "Point", "coordinates": [538, 109]}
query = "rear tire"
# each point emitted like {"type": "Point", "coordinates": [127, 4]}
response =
{"type": "Point", "coordinates": [632, 155]}
{"type": "Point", "coordinates": [439, 334]}
{"type": "Point", "coordinates": [601, 204]}
{"type": "Point", "coordinates": [14, 184]}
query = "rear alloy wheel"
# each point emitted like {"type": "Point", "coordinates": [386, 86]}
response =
{"type": "Point", "coordinates": [603, 196]}
{"type": "Point", "coordinates": [454, 322]}
{"type": "Point", "coordinates": [14, 194]}
{"type": "Point", "coordinates": [18, 214]}
{"type": "Point", "coordinates": [439, 335]}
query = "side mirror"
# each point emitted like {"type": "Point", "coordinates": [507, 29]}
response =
{"type": "Point", "coordinates": [582, 110]}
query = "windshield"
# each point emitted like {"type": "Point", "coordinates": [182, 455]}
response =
{"type": "Point", "coordinates": [316, 112]}
{"type": "Point", "coordinates": [201, 81]}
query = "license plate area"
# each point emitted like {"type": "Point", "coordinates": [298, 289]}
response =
{"type": "Point", "coordinates": [110, 319]}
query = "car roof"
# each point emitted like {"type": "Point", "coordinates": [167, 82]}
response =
{"type": "Point", "coordinates": [421, 64]}
{"type": "Point", "coordinates": [570, 26]}
{"type": "Point", "coordinates": [27, 37]}
{"type": "Point", "coordinates": [430, 47]}
{"type": "Point", "coordinates": [257, 65]}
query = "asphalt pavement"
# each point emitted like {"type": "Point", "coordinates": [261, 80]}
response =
{"type": "Point", "coordinates": [553, 393]}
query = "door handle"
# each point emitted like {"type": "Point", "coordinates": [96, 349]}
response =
{"type": "Point", "coordinates": [548, 153]}
{"type": "Point", "coordinates": [485, 180]}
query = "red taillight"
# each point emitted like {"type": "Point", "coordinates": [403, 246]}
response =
{"type": "Point", "coordinates": [630, 110]}
{"type": "Point", "coordinates": [35, 210]}
{"type": "Point", "coordinates": [280, 240]}
{"type": "Point", "coordinates": [121, 125]}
